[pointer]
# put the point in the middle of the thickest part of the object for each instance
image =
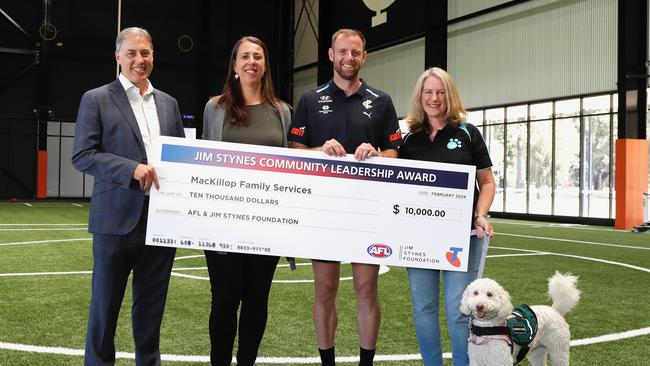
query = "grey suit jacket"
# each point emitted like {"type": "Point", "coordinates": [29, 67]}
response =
{"type": "Point", "coordinates": [108, 145]}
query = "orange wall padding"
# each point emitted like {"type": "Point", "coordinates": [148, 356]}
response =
{"type": "Point", "coordinates": [41, 175]}
{"type": "Point", "coordinates": [631, 182]}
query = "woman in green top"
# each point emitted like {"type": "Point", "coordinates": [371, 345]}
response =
{"type": "Point", "coordinates": [246, 112]}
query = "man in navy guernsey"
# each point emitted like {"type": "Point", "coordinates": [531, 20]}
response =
{"type": "Point", "coordinates": [343, 116]}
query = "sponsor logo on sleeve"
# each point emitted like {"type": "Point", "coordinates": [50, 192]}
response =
{"type": "Point", "coordinates": [380, 250]}
{"type": "Point", "coordinates": [395, 136]}
{"type": "Point", "coordinates": [297, 131]}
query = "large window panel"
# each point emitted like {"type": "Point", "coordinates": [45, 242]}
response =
{"type": "Point", "coordinates": [516, 158]}
{"type": "Point", "coordinates": [567, 107]}
{"type": "Point", "coordinates": [567, 166]}
{"type": "Point", "coordinates": [596, 105]}
{"type": "Point", "coordinates": [595, 157]}
{"type": "Point", "coordinates": [541, 111]}
{"type": "Point", "coordinates": [494, 141]}
{"type": "Point", "coordinates": [596, 153]}
{"type": "Point", "coordinates": [494, 138]}
{"type": "Point", "coordinates": [475, 118]}
{"type": "Point", "coordinates": [541, 168]}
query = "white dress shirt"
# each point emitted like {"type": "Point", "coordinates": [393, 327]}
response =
{"type": "Point", "coordinates": [144, 108]}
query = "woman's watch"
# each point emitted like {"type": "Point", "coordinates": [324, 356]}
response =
{"type": "Point", "coordinates": [477, 215]}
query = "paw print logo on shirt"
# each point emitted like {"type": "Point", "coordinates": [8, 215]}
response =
{"type": "Point", "coordinates": [454, 144]}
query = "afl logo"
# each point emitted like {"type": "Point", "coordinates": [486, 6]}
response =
{"type": "Point", "coordinates": [380, 250]}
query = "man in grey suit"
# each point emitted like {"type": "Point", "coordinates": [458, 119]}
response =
{"type": "Point", "coordinates": [117, 128]}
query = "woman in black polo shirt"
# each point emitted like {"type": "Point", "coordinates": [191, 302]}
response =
{"type": "Point", "coordinates": [247, 112]}
{"type": "Point", "coordinates": [438, 133]}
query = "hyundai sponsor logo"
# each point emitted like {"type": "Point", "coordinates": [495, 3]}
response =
{"type": "Point", "coordinates": [380, 250]}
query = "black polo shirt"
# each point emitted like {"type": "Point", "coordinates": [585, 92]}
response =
{"type": "Point", "coordinates": [455, 145]}
{"type": "Point", "coordinates": [326, 113]}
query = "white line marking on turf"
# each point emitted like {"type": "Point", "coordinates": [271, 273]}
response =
{"type": "Point", "coordinates": [516, 255]}
{"type": "Point", "coordinates": [34, 204]}
{"type": "Point", "coordinates": [574, 241]}
{"type": "Point", "coordinates": [44, 229]}
{"type": "Point", "coordinates": [43, 349]}
{"type": "Point", "coordinates": [43, 241]}
{"type": "Point", "coordinates": [579, 257]}
{"type": "Point", "coordinates": [183, 275]}
{"type": "Point", "coordinates": [301, 360]}
{"type": "Point", "coordinates": [204, 268]}
{"type": "Point", "coordinates": [188, 257]}
{"type": "Point", "coordinates": [382, 269]}
{"type": "Point", "coordinates": [43, 224]}
{"type": "Point", "coordinates": [43, 273]}
{"type": "Point", "coordinates": [201, 256]}
{"type": "Point", "coordinates": [611, 337]}
{"type": "Point", "coordinates": [554, 225]}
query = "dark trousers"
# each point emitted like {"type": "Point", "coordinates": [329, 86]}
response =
{"type": "Point", "coordinates": [114, 257]}
{"type": "Point", "coordinates": [236, 278]}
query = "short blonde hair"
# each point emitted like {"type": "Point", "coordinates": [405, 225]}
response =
{"type": "Point", "coordinates": [455, 113]}
{"type": "Point", "coordinates": [350, 33]}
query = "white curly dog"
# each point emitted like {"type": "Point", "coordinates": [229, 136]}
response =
{"type": "Point", "coordinates": [489, 307]}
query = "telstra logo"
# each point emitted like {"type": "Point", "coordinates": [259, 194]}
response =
{"type": "Point", "coordinates": [452, 256]}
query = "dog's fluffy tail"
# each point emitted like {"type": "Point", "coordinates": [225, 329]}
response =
{"type": "Point", "coordinates": [563, 291]}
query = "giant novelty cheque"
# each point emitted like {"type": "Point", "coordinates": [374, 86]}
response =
{"type": "Point", "coordinates": [304, 204]}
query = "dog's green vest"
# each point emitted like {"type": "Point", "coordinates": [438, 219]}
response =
{"type": "Point", "coordinates": [522, 326]}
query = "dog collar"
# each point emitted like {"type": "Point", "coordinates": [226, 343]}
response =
{"type": "Point", "coordinates": [489, 331]}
